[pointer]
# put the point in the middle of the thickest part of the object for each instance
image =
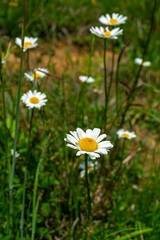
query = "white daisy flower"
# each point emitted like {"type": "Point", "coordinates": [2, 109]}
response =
{"type": "Point", "coordinates": [16, 154]}
{"type": "Point", "coordinates": [140, 61]}
{"type": "Point", "coordinates": [88, 142]}
{"type": "Point", "coordinates": [91, 167]}
{"type": "Point", "coordinates": [34, 99]}
{"type": "Point", "coordinates": [113, 20]}
{"type": "Point", "coordinates": [125, 134]}
{"type": "Point", "coordinates": [29, 42]}
{"type": "Point", "coordinates": [39, 75]}
{"type": "Point", "coordinates": [86, 79]}
{"type": "Point", "coordinates": [106, 33]}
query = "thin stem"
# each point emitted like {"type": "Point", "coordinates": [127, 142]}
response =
{"type": "Point", "coordinates": [87, 184]}
{"type": "Point", "coordinates": [23, 204]}
{"type": "Point", "coordinates": [3, 96]}
{"type": "Point", "coordinates": [35, 198]}
{"type": "Point", "coordinates": [17, 117]}
{"type": "Point", "coordinates": [90, 56]}
{"type": "Point", "coordinates": [112, 71]}
{"type": "Point", "coordinates": [105, 84]}
{"type": "Point", "coordinates": [28, 68]}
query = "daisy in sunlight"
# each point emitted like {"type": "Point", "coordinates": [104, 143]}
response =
{"type": "Point", "coordinates": [91, 167]}
{"type": "Point", "coordinates": [125, 134]}
{"type": "Point", "coordinates": [34, 99]}
{"type": "Point", "coordinates": [89, 142]}
{"type": "Point", "coordinates": [106, 33]}
{"type": "Point", "coordinates": [38, 74]}
{"type": "Point", "coordinates": [113, 20]}
{"type": "Point", "coordinates": [86, 79]}
{"type": "Point", "coordinates": [140, 61]}
{"type": "Point", "coordinates": [29, 43]}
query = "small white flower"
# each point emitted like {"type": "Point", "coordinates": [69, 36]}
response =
{"type": "Point", "coordinates": [88, 142]}
{"type": "Point", "coordinates": [34, 99]}
{"type": "Point", "coordinates": [91, 167]}
{"type": "Point", "coordinates": [140, 61]}
{"type": "Point", "coordinates": [113, 20]}
{"type": "Point", "coordinates": [106, 33]}
{"type": "Point", "coordinates": [16, 154]}
{"type": "Point", "coordinates": [86, 79]}
{"type": "Point", "coordinates": [38, 74]}
{"type": "Point", "coordinates": [2, 61]}
{"type": "Point", "coordinates": [125, 134]}
{"type": "Point", "coordinates": [29, 42]}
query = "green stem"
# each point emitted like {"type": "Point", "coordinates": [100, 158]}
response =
{"type": "Point", "coordinates": [35, 198]}
{"type": "Point", "coordinates": [105, 84]}
{"type": "Point", "coordinates": [17, 118]}
{"type": "Point", "coordinates": [90, 56]}
{"type": "Point", "coordinates": [23, 204]}
{"type": "Point", "coordinates": [112, 71]}
{"type": "Point", "coordinates": [28, 68]}
{"type": "Point", "coordinates": [87, 184]}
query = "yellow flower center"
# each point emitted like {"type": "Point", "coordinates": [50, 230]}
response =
{"type": "Point", "coordinates": [125, 135]}
{"type": "Point", "coordinates": [88, 144]}
{"type": "Point", "coordinates": [16, 66]}
{"type": "Point", "coordinates": [107, 33]}
{"type": "Point", "coordinates": [90, 168]}
{"type": "Point", "coordinates": [34, 100]}
{"type": "Point", "coordinates": [38, 75]}
{"type": "Point", "coordinates": [113, 21]}
{"type": "Point", "coordinates": [26, 44]}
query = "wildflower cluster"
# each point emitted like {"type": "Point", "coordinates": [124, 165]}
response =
{"type": "Point", "coordinates": [33, 99]}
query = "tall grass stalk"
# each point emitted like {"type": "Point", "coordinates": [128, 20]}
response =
{"type": "Point", "coordinates": [90, 56]}
{"type": "Point", "coordinates": [105, 84]}
{"type": "Point", "coordinates": [88, 189]}
{"type": "Point", "coordinates": [27, 160]}
{"type": "Point", "coordinates": [23, 203]}
{"type": "Point", "coordinates": [3, 95]}
{"type": "Point", "coordinates": [17, 117]}
{"type": "Point", "coordinates": [112, 69]}
{"type": "Point", "coordinates": [35, 198]}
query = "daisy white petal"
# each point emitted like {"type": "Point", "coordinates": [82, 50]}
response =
{"type": "Point", "coordinates": [96, 132]}
{"type": "Point", "coordinates": [91, 167]}
{"type": "Point", "coordinates": [89, 133]}
{"type": "Point", "coordinates": [71, 146]}
{"type": "Point", "coordinates": [113, 20]}
{"type": "Point", "coordinates": [86, 79]}
{"type": "Point", "coordinates": [80, 133]}
{"type": "Point", "coordinates": [106, 33]}
{"type": "Point", "coordinates": [29, 43]}
{"type": "Point", "coordinates": [140, 61]}
{"type": "Point", "coordinates": [125, 134]}
{"type": "Point", "coordinates": [37, 74]}
{"type": "Point", "coordinates": [71, 139]}
{"type": "Point", "coordinates": [88, 142]}
{"type": "Point", "coordinates": [101, 137]}
{"type": "Point", "coordinates": [34, 99]}
{"type": "Point", "coordinates": [16, 154]}
{"type": "Point", "coordinates": [101, 151]}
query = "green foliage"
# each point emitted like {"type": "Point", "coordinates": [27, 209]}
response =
{"type": "Point", "coordinates": [125, 187]}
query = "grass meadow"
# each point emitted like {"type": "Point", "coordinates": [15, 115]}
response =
{"type": "Point", "coordinates": [79, 120]}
